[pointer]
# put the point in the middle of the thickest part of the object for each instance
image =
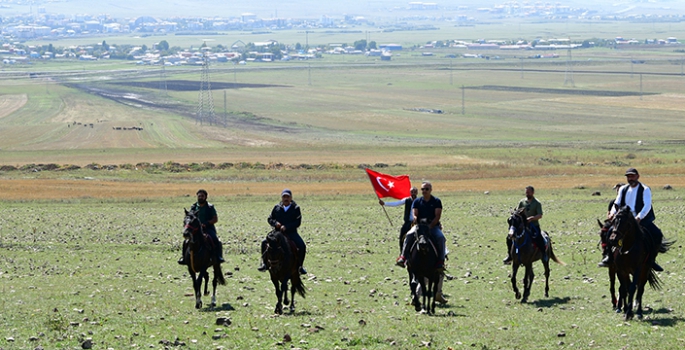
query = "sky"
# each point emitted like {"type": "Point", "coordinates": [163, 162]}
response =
{"type": "Point", "coordinates": [305, 8]}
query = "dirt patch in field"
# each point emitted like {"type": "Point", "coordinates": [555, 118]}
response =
{"type": "Point", "coordinates": [49, 189]}
{"type": "Point", "coordinates": [190, 85]}
{"type": "Point", "coordinates": [11, 103]}
{"type": "Point", "coordinates": [606, 93]}
{"type": "Point", "coordinates": [158, 103]}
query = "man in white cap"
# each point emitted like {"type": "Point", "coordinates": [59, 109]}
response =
{"type": "Point", "coordinates": [639, 198]}
{"type": "Point", "coordinates": [287, 217]}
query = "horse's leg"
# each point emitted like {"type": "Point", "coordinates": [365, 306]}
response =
{"type": "Point", "coordinates": [527, 281]}
{"type": "Point", "coordinates": [631, 295]}
{"type": "Point", "coordinates": [197, 285]}
{"type": "Point", "coordinates": [416, 293]}
{"type": "Point", "coordinates": [215, 281]}
{"type": "Point", "coordinates": [612, 285]}
{"type": "Point", "coordinates": [279, 296]}
{"type": "Point", "coordinates": [546, 265]}
{"type": "Point", "coordinates": [284, 288]}
{"type": "Point", "coordinates": [292, 297]}
{"type": "Point", "coordinates": [206, 277]}
{"type": "Point", "coordinates": [424, 293]}
{"type": "Point", "coordinates": [514, 270]}
{"type": "Point", "coordinates": [640, 291]}
{"type": "Point", "coordinates": [434, 291]}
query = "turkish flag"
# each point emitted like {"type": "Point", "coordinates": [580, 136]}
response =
{"type": "Point", "coordinates": [397, 187]}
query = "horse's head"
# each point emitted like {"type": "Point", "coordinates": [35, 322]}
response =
{"type": "Point", "coordinates": [422, 234]}
{"type": "Point", "coordinates": [274, 249]}
{"type": "Point", "coordinates": [191, 225]}
{"type": "Point", "coordinates": [517, 223]}
{"type": "Point", "coordinates": [625, 226]}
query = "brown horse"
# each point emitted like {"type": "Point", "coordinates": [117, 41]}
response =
{"type": "Point", "coordinates": [200, 256]}
{"type": "Point", "coordinates": [525, 253]}
{"type": "Point", "coordinates": [618, 304]}
{"type": "Point", "coordinates": [634, 253]}
{"type": "Point", "coordinates": [281, 257]}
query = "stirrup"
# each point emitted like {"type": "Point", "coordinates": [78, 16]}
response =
{"type": "Point", "coordinates": [302, 271]}
{"type": "Point", "coordinates": [262, 267]}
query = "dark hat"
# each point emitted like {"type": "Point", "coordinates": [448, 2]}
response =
{"type": "Point", "coordinates": [286, 192]}
{"type": "Point", "coordinates": [632, 171]}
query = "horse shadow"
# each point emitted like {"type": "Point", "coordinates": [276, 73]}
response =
{"type": "Point", "coordinates": [550, 302]}
{"type": "Point", "coordinates": [222, 307]}
{"type": "Point", "coordinates": [665, 322]}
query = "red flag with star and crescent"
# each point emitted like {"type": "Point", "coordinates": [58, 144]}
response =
{"type": "Point", "coordinates": [397, 187]}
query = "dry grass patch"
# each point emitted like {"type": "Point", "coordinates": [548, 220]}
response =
{"type": "Point", "coordinates": [54, 189]}
{"type": "Point", "coordinates": [11, 103]}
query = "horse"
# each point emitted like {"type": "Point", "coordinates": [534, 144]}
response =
{"type": "Point", "coordinates": [523, 252]}
{"type": "Point", "coordinates": [423, 259]}
{"type": "Point", "coordinates": [281, 256]}
{"type": "Point", "coordinates": [200, 257]}
{"type": "Point", "coordinates": [618, 304]}
{"type": "Point", "coordinates": [634, 254]}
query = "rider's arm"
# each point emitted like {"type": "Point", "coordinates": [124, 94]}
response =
{"type": "Point", "coordinates": [395, 203]}
{"type": "Point", "coordinates": [647, 198]}
{"type": "Point", "coordinates": [617, 202]}
{"type": "Point", "coordinates": [436, 220]}
{"type": "Point", "coordinates": [272, 218]}
{"type": "Point", "coordinates": [415, 213]}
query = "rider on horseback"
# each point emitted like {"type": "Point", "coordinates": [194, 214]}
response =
{"type": "Point", "coordinates": [426, 209]}
{"type": "Point", "coordinates": [408, 213]}
{"type": "Point", "coordinates": [206, 213]}
{"type": "Point", "coordinates": [287, 217]}
{"type": "Point", "coordinates": [639, 198]}
{"type": "Point", "coordinates": [533, 210]}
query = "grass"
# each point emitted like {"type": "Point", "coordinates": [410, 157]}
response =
{"type": "Point", "coordinates": [105, 269]}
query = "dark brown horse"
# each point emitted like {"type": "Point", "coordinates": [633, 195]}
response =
{"type": "Point", "coordinates": [525, 253]}
{"type": "Point", "coordinates": [618, 304]}
{"type": "Point", "coordinates": [200, 257]}
{"type": "Point", "coordinates": [423, 259]}
{"type": "Point", "coordinates": [281, 257]}
{"type": "Point", "coordinates": [634, 254]}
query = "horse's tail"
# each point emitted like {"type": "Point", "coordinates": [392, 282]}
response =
{"type": "Point", "coordinates": [653, 280]}
{"type": "Point", "coordinates": [554, 257]}
{"type": "Point", "coordinates": [219, 275]}
{"type": "Point", "coordinates": [297, 283]}
{"type": "Point", "coordinates": [665, 246]}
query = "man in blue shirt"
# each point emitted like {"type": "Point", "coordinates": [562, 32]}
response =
{"type": "Point", "coordinates": [429, 209]}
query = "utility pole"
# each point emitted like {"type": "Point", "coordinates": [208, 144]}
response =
{"type": "Point", "coordinates": [450, 72]}
{"type": "Point", "coordinates": [463, 107]}
{"type": "Point", "coordinates": [225, 111]}
{"type": "Point", "coordinates": [568, 78]}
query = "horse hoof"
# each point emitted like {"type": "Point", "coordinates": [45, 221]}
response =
{"type": "Point", "coordinates": [198, 306]}
{"type": "Point", "coordinates": [639, 316]}
{"type": "Point", "coordinates": [518, 295]}
{"type": "Point", "coordinates": [618, 310]}
{"type": "Point", "coordinates": [546, 295]}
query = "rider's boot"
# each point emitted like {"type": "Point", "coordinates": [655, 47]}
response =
{"type": "Point", "coordinates": [182, 260]}
{"type": "Point", "coordinates": [401, 262]}
{"type": "Point", "coordinates": [302, 271]}
{"type": "Point", "coordinates": [656, 267]}
{"type": "Point", "coordinates": [606, 258]}
{"type": "Point", "coordinates": [508, 259]}
{"type": "Point", "coordinates": [262, 267]}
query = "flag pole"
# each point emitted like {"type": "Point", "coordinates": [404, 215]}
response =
{"type": "Point", "coordinates": [385, 211]}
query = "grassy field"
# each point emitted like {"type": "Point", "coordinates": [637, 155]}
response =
{"type": "Point", "coordinates": [105, 269]}
{"type": "Point", "coordinates": [91, 253]}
